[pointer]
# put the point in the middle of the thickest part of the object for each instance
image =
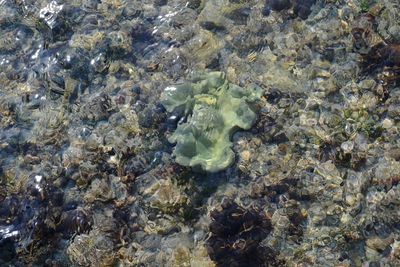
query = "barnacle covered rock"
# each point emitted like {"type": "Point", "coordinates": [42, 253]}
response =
{"type": "Point", "coordinates": [167, 197]}
{"type": "Point", "coordinates": [215, 108]}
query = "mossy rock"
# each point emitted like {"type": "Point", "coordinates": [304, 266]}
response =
{"type": "Point", "coordinates": [214, 108]}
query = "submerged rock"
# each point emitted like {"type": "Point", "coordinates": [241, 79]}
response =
{"type": "Point", "coordinates": [301, 8]}
{"type": "Point", "coordinates": [98, 109]}
{"type": "Point", "coordinates": [279, 5]}
{"type": "Point", "coordinates": [95, 244]}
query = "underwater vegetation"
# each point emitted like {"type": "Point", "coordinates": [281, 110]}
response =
{"type": "Point", "coordinates": [214, 108]}
{"type": "Point", "coordinates": [236, 235]}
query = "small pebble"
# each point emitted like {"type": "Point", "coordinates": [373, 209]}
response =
{"type": "Point", "coordinates": [387, 123]}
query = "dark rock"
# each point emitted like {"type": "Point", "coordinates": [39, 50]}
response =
{"type": "Point", "coordinates": [214, 64]}
{"type": "Point", "coordinates": [194, 4]}
{"type": "Point", "coordinates": [280, 138]}
{"type": "Point", "coordinates": [7, 251]}
{"type": "Point", "coordinates": [28, 219]}
{"type": "Point", "coordinates": [160, 2]}
{"type": "Point", "coordinates": [76, 61]}
{"type": "Point", "coordinates": [61, 23]}
{"type": "Point", "coordinates": [247, 42]}
{"type": "Point", "coordinates": [240, 15]}
{"type": "Point", "coordinates": [266, 11]}
{"type": "Point", "coordinates": [131, 12]}
{"type": "Point", "coordinates": [100, 62]}
{"type": "Point", "coordinates": [136, 166]}
{"type": "Point", "coordinates": [136, 89]}
{"type": "Point", "coordinates": [142, 37]}
{"type": "Point", "coordinates": [172, 121]}
{"type": "Point", "coordinates": [302, 8]}
{"type": "Point", "coordinates": [98, 109]}
{"type": "Point", "coordinates": [75, 221]}
{"type": "Point", "coordinates": [211, 26]}
{"type": "Point", "coordinates": [296, 218]}
{"type": "Point", "coordinates": [152, 116]}
{"type": "Point", "coordinates": [279, 5]}
{"type": "Point", "coordinates": [274, 96]}
{"type": "Point", "coordinates": [85, 133]}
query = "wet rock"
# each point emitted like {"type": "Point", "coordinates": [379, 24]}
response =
{"type": "Point", "coordinates": [17, 36]}
{"type": "Point", "coordinates": [7, 249]}
{"type": "Point", "coordinates": [194, 4]}
{"type": "Point", "coordinates": [379, 55]}
{"type": "Point", "coordinates": [383, 55]}
{"type": "Point", "coordinates": [100, 62]}
{"type": "Point", "coordinates": [174, 63]}
{"type": "Point", "coordinates": [211, 26]}
{"type": "Point", "coordinates": [104, 189]}
{"type": "Point", "coordinates": [92, 182]}
{"type": "Point", "coordinates": [75, 222]}
{"type": "Point", "coordinates": [246, 43]}
{"type": "Point", "coordinates": [160, 2]}
{"type": "Point", "coordinates": [142, 37]}
{"type": "Point", "coordinates": [205, 44]}
{"type": "Point", "coordinates": [150, 117]}
{"type": "Point", "coordinates": [136, 165]}
{"type": "Point", "coordinates": [76, 61]}
{"type": "Point", "coordinates": [279, 5]}
{"type": "Point", "coordinates": [100, 108]}
{"type": "Point", "coordinates": [60, 19]}
{"type": "Point", "coordinates": [118, 45]}
{"type": "Point", "coordinates": [302, 8]}
{"type": "Point", "coordinates": [93, 249]}
{"type": "Point", "coordinates": [296, 217]}
{"type": "Point", "coordinates": [239, 14]}
{"type": "Point", "coordinates": [131, 11]}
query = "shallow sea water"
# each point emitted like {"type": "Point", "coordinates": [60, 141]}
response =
{"type": "Point", "coordinates": [88, 177]}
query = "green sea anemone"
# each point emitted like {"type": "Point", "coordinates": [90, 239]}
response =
{"type": "Point", "coordinates": [214, 108]}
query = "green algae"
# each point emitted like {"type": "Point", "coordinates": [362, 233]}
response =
{"type": "Point", "coordinates": [214, 108]}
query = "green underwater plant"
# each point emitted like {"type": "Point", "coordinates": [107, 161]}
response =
{"type": "Point", "coordinates": [214, 108]}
